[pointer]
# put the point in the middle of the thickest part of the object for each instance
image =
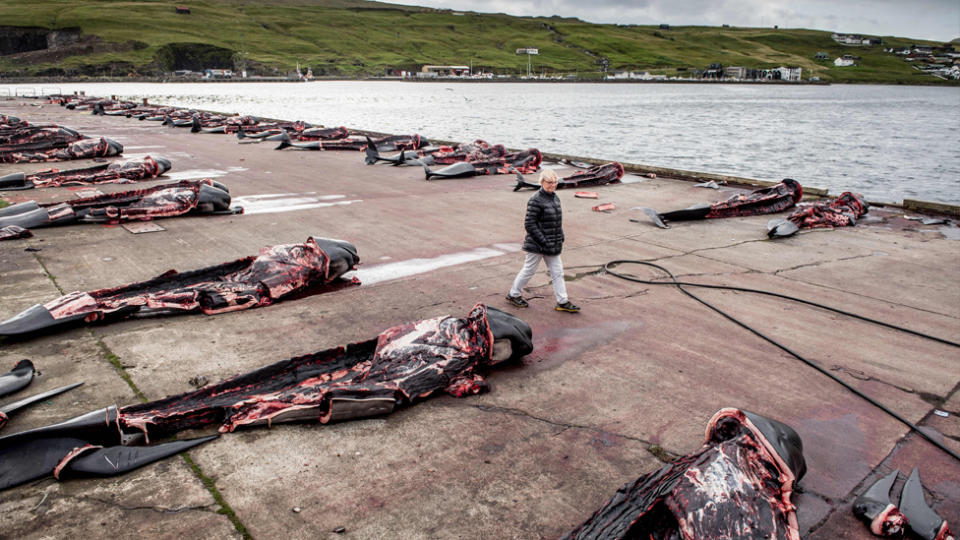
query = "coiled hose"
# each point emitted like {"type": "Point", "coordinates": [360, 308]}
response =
{"type": "Point", "coordinates": [608, 268]}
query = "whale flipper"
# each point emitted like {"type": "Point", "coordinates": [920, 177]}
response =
{"type": "Point", "coordinates": [874, 508]}
{"type": "Point", "coordinates": [116, 460]}
{"type": "Point", "coordinates": [921, 519]}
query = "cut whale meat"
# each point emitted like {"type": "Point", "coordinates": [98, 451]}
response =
{"type": "Point", "coordinates": [118, 172]}
{"type": "Point", "coordinates": [770, 200]}
{"type": "Point", "coordinates": [82, 149]}
{"type": "Point", "coordinates": [526, 161]}
{"type": "Point", "coordinates": [598, 175]}
{"type": "Point", "coordinates": [844, 211]}
{"type": "Point", "coordinates": [163, 201]}
{"type": "Point", "coordinates": [740, 480]}
{"type": "Point", "coordinates": [278, 272]}
{"type": "Point", "coordinates": [403, 365]}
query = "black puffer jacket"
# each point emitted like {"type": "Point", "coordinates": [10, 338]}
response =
{"type": "Point", "coordinates": [544, 224]}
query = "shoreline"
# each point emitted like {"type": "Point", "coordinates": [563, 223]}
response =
{"type": "Point", "coordinates": [160, 80]}
{"type": "Point", "coordinates": [916, 205]}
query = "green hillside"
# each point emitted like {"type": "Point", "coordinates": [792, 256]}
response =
{"type": "Point", "coordinates": [354, 38]}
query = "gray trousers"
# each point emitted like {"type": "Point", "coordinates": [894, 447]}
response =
{"type": "Point", "coordinates": [554, 266]}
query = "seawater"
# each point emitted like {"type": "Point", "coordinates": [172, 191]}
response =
{"type": "Point", "coordinates": [886, 142]}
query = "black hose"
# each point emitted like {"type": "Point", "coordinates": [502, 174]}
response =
{"type": "Point", "coordinates": [680, 285]}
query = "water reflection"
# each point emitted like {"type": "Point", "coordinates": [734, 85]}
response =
{"type": "Point", "coordinates": [887, 142]}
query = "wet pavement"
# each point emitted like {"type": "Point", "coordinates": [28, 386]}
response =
{"type": "Point", "coordinates": [605, 396]}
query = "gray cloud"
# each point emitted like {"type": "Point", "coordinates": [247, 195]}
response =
{"type": "Point", "coordinates": [921, 19]}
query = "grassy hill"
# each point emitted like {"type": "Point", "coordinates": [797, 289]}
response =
{"type": "Point", "coordinates": [354, 38]}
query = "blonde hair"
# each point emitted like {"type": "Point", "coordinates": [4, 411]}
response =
{"type": "Point", "coordinates": [548, 174]}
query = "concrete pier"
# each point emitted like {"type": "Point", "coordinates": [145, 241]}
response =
{"type": "Point", "coordinates": [606, 396]}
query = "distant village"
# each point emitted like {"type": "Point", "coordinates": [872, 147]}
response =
{"type": "Point", "coordinates": [712, 72]}
{"type": "Point", "coordinates": [718, 72]}
{"type": "Point", "coordinates": [942, 62]}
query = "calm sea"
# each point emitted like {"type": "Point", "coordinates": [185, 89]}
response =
{"type": "Point", "coordinates": [887, 142]}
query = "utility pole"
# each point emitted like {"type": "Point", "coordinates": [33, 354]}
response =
{"type": "Point", "coordinates": [530, 51]}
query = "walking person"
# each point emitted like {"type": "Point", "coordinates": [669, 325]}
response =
{"type": "Point", "coordinates": [544, 241]}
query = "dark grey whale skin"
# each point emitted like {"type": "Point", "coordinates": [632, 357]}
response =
{"type": "Point", "coordinates": [17, 378]}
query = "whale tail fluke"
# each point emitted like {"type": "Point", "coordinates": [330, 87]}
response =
{"type": "Point", "coordinates": [427, 171]}
{"type": "Point", "coordinates": [781, 228]}
{"type": "Point", "coordinates": [284, 142]}
{"type": "Point", "coordinates": [655, 217]}
{"type": "Point", "coordinates": [522, 183]}
{"type": "Point", "coordinates": [245, 138]}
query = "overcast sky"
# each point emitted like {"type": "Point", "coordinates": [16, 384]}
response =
{"type": "Point", "coordinates": [937, 20]}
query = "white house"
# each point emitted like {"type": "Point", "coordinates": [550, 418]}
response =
{"type": "Point", "coordinates": [735, 72]}
{"type": "Point", "coordinates": [843, 61]}
{"type": "Point", "coordinates": [848, 39]}
{"type": "Point", "coordinates": [430, 72]}
{"type": "Point", "coordinates": [856, 39]}
{"type": "Point", "coordinates": [790, 74]}
{"type": "Point", "coordinates": [635, 76]}
{"type": "Point", "coordinates": [217, 74]}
